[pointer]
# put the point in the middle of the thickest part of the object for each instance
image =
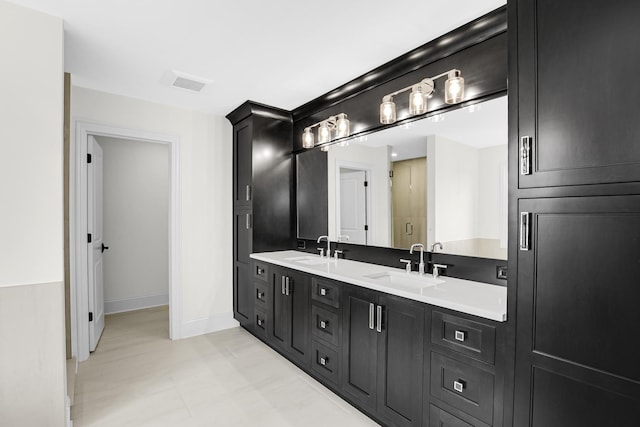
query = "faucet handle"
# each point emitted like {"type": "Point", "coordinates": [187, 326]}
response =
{"type": "Point", "coordinates": [336, 253]}
{"type": "Point", "coordinates": [408, 264]}
{"type": "Point", "coordinates": [321, 250]}
{"type": "Point", "coordinates": [436, 269]}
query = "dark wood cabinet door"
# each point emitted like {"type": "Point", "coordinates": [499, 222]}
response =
{"type": "Point", "coordinates": [299, 294]}
{"type": "Point", "coordinates": [400, 361]}
{"type": "Point", "coordinates": [243, 291]}
{"type": "Point", "coordinates": [576, 96]}
{"type": "Point", "coordinates": [279, 310]}
{"type": "Point", "coordinates": [578, 323]}
{"type": "Point", "coordinates": [359, 346]}
{"type": "Point", "coordinates": [242, 162]}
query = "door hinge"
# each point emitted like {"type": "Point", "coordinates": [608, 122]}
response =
{"type": "Point", "coordinates": [90, 317]}
{"type": "Point", "coordinates": [366, 183]}
{"type": "Point", "coordinates": [89, 238]}
{"type": "Point", "coordinates": [88, 157]}
{"type": "Point", "coordinates": [366, 228]}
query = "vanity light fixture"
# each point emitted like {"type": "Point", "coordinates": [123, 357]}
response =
{"type": "Point", "coordinates": [338, 125]}
{"type": "Point", "coordinates": [420, 92]}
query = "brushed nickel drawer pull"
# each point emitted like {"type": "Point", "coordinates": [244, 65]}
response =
{"type": "Point", "coordinates": [323, 292]}
{"type": "Point", "coordinates": [324, 361]}
{"type": "Point", "coordinates": [324, 324]}
{"type": "Point", "coordinates": [460, 336]}
{"type": "Point", "coordinates": [458, 386]}
{"type": "Point", "coordinates": [371, 310]}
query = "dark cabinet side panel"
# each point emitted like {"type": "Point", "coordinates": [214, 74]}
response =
{"type": "Point", "coordinates": [278, 320]}
{"type": "Point", "coordinates": [300, 300]}
{"type": "Point", "coordinates": [242, 147]}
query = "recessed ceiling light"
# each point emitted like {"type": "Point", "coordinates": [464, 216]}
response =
{"type": "Point", "coordinates": [394, 154]}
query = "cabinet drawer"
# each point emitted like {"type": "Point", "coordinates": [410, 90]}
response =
{"type": "Point", "coordinates": [473, 339]}
{"type": "Point", "coordinates": [441, 418]}
{"type": "Point", "coordinates": [324, 361]}
{"type": "Point", "coordinates": [326, 292]}
{"type": "Point", "coordinates": [325, 325]}
{"type": "Point", "coordinates": [463, 386]}
{"type": "Point", "coordinates": [260, 321]}
{"type": "Point", "coordinates": [260, 270]}
{"type": "Point", "coordinates": [260, 294]}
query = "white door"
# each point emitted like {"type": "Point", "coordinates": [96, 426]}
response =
{"type": "Point", "coordinates": [96, 246]}
{"type": "Point", "coordinates": [353, 205]}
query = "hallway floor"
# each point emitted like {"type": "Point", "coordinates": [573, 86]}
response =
{"type": "Point", "coordinates": [138, 377]}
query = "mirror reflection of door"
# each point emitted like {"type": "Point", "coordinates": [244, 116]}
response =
{"type": "Point", "coordinates": [353, 205]}
{"type": "Point", "coordinates": [409, 202]}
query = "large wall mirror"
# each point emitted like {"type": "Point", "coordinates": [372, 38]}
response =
{"type": "Point", "coordinates": [440, 179]}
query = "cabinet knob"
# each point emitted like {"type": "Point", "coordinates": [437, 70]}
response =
{"type": "Point", "coordinates": [259, 322]}
{"type": "Point", "coordinates": [324, 361]}
{"type": "Point", "coordinates": [323, 291]}
{"type": "Point", "coordinates": [323, 324]}
{"type": "Point", "coordinates": [460, 336]}
{"type": "Point", "coordinates": [458, 386]}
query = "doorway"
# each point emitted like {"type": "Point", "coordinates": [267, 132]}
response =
{"type": "Point", "coordinates": [83, 253]}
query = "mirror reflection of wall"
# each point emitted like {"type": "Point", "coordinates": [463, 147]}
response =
{"type": "Point", "coordinates": [442, 179]}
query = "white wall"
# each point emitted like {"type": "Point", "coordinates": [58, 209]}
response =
{"type": "Point", "coordinates": [32, 347]}
{"type": "Point", "coordinates": [31, 115]}
{"type": "Point", "coordinates": [136, 224]}
{"type": "Point", "coordinates": [206, 176]}
{"type": "Point", "coordinates": [492, 161]}
{"type": "Point", "coordinates": [377, 160]}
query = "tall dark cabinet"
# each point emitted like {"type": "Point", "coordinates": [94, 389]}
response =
{"type": "Point", "coordinates": [262, 178]}
{"type": "Point", "coordinates": [575, 209]}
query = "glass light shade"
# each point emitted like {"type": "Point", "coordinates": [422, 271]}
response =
{"type": "Point", "coordinates": [454, 88]}
{"type": "Point", "coordinates": [342, 126]}
{"type": "Point", "coordinates": [307, 139]}
{"type": "Point", "coordinates": [324, 133]}
{"type": "Point", "coordinates": [387, 112]}
{"type": "Point", "coordinates": [417, 100]}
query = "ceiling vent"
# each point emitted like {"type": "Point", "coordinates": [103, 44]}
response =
{"type": "Point", "coordinates": [186, 81]}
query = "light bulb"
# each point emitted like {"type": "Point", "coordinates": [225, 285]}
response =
{"type": "Point", "coordinates": [342, 126]}
{"type": "Point", "coordinates": [307, 138]}
{"type": "Point", "coordinates": [454, 88]}
{"type": "Point", "coordinates": [387, 111]}
{"type": "Point", "coordinates": [417, 100]}
{"type": "Point", "coordinates": [324, 133]}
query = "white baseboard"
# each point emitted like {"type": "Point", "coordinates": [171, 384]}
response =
{"type": "Point", "coordinates": [130, 304]}
{"type": "Point", "coordinates": [215, 323]}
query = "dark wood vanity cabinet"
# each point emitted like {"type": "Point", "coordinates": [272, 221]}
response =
{"type": "Point", "coordinates": [576, 101]}
{"type": "Point", "coordinates": [383, 355]}
{"type": "Point", "coordinates": [289, 313]}
{"type": "Point", "coordinates": [575, 212]}
{"type": "Point", "coordinates": [263, 182]}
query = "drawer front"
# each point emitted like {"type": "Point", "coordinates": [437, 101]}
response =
{"type": "Point", "coordinates": [326, 292]}
{"type": "Point", "coordinates": [260, 270]}
{"type": "Point", "coordinates": [441, 418]}
{"type": "Point", "coordinates": [325, 325]}
{"type": "Point", "coordinates": [473, 339]}
{"type": "Point", "coordinates": [463, 386]}
{"type": "Point", "coordinates": [260, 294]}
{"type": "Point", "coordinates": [260, 321]}
{"type": "Point", "coordinates": [324, 361]}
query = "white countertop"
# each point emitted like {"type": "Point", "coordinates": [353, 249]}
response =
{"type": "Point", "coordinates": [476, 298]}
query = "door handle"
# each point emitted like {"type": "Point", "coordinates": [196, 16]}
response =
{"type": "Point", "coordinates": [248, 219]}
{"type": "Point", "coordinates": [379, 319]}
{"type": "Point", "coordinates": [103, 248]}
{"type": "Point", "coordinates": [248, 193]}
{"type": "Point", "coordinates": [371, 309]}
{"type": "Point", "coordinates": [282, 291]}
{"type": "Point", "coordinates": [525, 230]}
{"type": "Point", "coordinates": [286, 286]}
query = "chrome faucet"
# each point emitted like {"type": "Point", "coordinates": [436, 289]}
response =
{"type": "Point", "coordinates": [433, 247]}
{"type": "Point", "coordinates": [421, 265]}
{"type": "Point", "coordinates": [328, 246]}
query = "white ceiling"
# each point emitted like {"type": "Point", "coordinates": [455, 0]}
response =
{"type": "Point", "coordinates": [280, 52]}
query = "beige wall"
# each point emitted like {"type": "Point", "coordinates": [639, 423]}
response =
{"type": "Point", "coordinates": [32, 346]}
{"type": "Point", "coordinates": [205, 144]}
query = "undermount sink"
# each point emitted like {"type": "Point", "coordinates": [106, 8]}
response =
{"type": "Point", "coordinates": [404, 281]}
{"type": "Point", "coordinates": [308, 259]}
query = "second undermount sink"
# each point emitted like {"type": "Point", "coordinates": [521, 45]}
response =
{"type": "Point", "coordinates": [404, 281]}
{"type": "Point", "coordinates": [308, 259]}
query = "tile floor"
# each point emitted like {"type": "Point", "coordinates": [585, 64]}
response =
{"type": "Point", "coordinates": [138, 377]}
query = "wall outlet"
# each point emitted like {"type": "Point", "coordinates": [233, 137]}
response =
{"type": "Point", "coordinates": [302, 244]}
{"type": "Point", "coordinates": [501, 272]}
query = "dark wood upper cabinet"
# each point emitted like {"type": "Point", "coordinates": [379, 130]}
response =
{"type": "Point", "coordinates": [577, 99]}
